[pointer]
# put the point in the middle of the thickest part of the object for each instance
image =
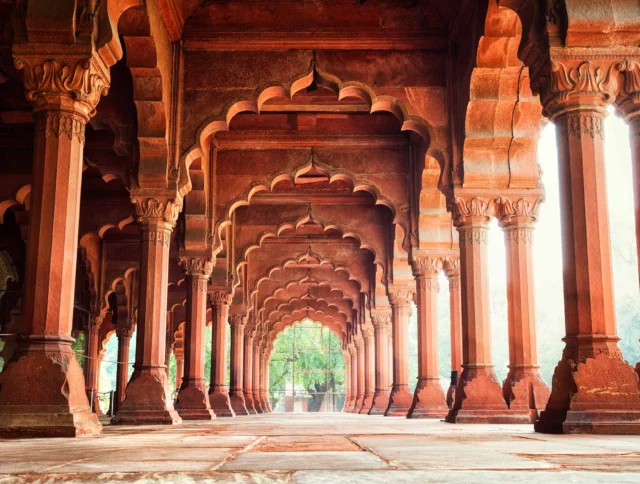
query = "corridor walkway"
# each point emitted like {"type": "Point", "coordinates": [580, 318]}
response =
{"type": "Point", "coordinates": [319, 448]}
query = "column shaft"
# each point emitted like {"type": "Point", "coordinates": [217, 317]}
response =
{"type": "Point", "coordinates": [381, 324]}
{"type": "Point", "coordinates": [354, 377]}
{"type": "Point", "coordinates": [122, 371]}
{"type": "Point", "coordinates": [257, 400]}
{"type": "Point", "coordinates": [401, 399]}
{"type": "Point", "coordinates": [248, 372]}
{"type": "Point", "coordinates": [428, 399]}
{"type": "Point", "coordinates": [218, 390]}
{"type": "Point", "coordinates": [92, 366]}
{"type": "Point", "coordinates": [236, 395]}
{"type": "Point", "coordinates": [452, 270]}
{"type": "Point", "coordinates": [360, 356]}
{"type": "Point", "coordinates": [193, 398]}
{"type": "Point", "coordinates": [369, 368]}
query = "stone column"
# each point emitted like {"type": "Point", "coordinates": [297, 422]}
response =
{"type": "Point", "coordinates": [479, 395]}
{"type": "Point", "coordinates": [193, 399]}
{"type": "Point", "coordinates": [390, 356]}
{"type": "Point", "coordinates": [149, 399]}
{"type": "Point", "coordinates": [248, 371]}
{"type": "Point", "coordinates": [257, 401]}
{"type": "Point", "coordinates": [381, 323]}
{"type": "Point", "coordinates": [179, 357]}
{"type": "Point", "coordinates": [264, 378]}
{"type": "Point", "coordinates": [267, 359]}
{"type": "Point", "coordinates": [369, 368]}
{"type": "Point", "coordinates": [400, 399]}
{"type": "Point", "coordinates": [236, 396]}
{"type": "Point", "coordinates": [452, 271]}
{"type": "Point", "coordinates": [428, 399]}
{"type": "Point", "coordinates": [594, 389]}
{"type": "Point", "coordinates": [360, 357]}
{"type": "Point", "coordinates": [353, 351]}
{"type": "Point", "coordinates": [122, 371]}
{"type": "Point", "coordinates": [347, 378]}
{"type": "Point", "coordinates": [524, 390]}
{"type": "Point", "coordinates": [42, 389]}
{"type": "Point", "coordinates": [92, 365]}
{"type": "Point", "coordinates": [218, 391]}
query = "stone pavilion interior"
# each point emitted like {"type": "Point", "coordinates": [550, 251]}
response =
{"type": "Point", "coordinates": [194, 179]}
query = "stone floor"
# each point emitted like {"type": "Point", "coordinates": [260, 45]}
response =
{"type": "Point", "coordinates": [321, 448]}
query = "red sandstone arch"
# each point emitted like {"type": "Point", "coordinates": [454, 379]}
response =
{"type": "Point", "coordinates": [325, 320]}
{"type": "Point", "coordinates": [503, 116]}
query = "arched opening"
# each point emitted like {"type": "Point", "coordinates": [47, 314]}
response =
{"type": "Point", "coordinates": [307, 369]}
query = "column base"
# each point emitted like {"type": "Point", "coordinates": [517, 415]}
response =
{"type": "Point", "coordinates": [96, 403]}
{"type": "Point", "coordinates": [193, 401]}
{"type": "Point", "coordinates": [220, 404]}
{"type": "Point", "coordinates": [380, 402]}
{"type": "Point", "coordinates": [249, 403]}
{"type": "Point", "coordinates": [428, 400]}
{"type": "Point", "coordinates": [600, 395]}
{"type": "Point", "coordinates": [526, 392]}
{"type": "Point", "coordinates": [358, 404]}
{"type": "Point", "coordinates": [367, 404]}
{"type": "Point", "coordinates": [50, 375]}
{"type": "Point", "coordinates": [400, 401]}
{"type": "Point", "coordinates": [479, 399]}
{"type": "Point", "coordinates": [264, 401]}
{"type": "Point", "coordinates": [349, 405]}
{"type": "Point", "coordinates": [148, 400]}
{"type": "Point", "coordinates": [236, 400]}
{"type": "Point", "coordinates": [257, 404]}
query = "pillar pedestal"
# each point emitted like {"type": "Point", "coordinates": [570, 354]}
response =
{"type": "Point", "coordinates": [594, 389]}
{"type": "Point", "coordinates": [218, 390]}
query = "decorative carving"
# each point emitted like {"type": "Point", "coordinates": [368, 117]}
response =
{"type": "Point", "coordinates": [426, 266]}
{"type": "Point", "coordinates": [62, 124]}
{"type": "Point", "coordinates": [580, 124]}
{"type": "Point", "coordinates": [196, 265]}
{"type": "Point", "coordinates": [473, 235]}
{"type": "Point", "coordinates": [452, 267]}
{"type": "Point", "coordinates": [152, 209]}
{"type": "Point", "coordinates": [199, 284]}
{"type": "Point", "coordinates": [472, 210]}
{"type": "Point", "coordinates": [519, 234]}
{"type": "Point", "coordinates": [122, 333]}
{"type": "Point", "coordinates": [381, 319]}
{"type": "Point", "coordinates": [428, 284]}
{"type": "Point", "coordinates": [401, 297]}
{"type": "Point", "coordinates": [238, 319]}
{"type": "Point", "coordinates": [82, 80]}
{"type": "Point", "coordinates": [218, 298]}
{"type": "Point", "coordinates": [520, 210]}
{"type": "Point", "coordinates": [159, 236]}
{"type": "Point", "coordinates": [367, 332]}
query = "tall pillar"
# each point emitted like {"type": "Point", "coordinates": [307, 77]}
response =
{"type": "Point", "coordinates": [347, 378]}
{"type": "Point", "coordinates": [149, 399]}
{"type": "Point", "coordinates": [218, 391]}
{"type": "Point", "coordinates": [428, 399]}
{"type": "Point", "coordinates": [193, 399]}
{"type": "Point", "coordinates": [360, 357]}
{"type": "Point", "coordinates": [248, 371]}
{"type": "Point", "coordinates": [236, 395]}
{"type": "Point", "coordinates": [353, 351]}
{"type": "Point", "coordinates": [178, 354]}
{"type": "Point", "coordinates": [523, 389]}
{"type": "Point", "coordinates": [264, 378]}
{"type": "Point", "coordinates": [381, 323]}
{"type": "Point", "coordinates": [630, 107]}
{"type": "Point", "coordinates": [400, 399]}
{"type": "Point", "coordinates": [257, 401]}
{"type": "Point", "coordinates": [594, 389]}
{"type": "Point", "coordinates": [122, 371]}
{"type": "Point", "coordinates": [369, 368]}
{"type": "Point", "coordinates": [92, 365]}
{"type": "Point", "coordinates": [479, 396]}
{"type": "Point", "coordinates": [452, 271]}
{"type": "Point", "coordinates": [42, 390]}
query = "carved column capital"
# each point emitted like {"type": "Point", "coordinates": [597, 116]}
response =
{"type": "Point", "coordinates": [584, 77]}
{"type": "Point", "coordinates": [72, 83]}
{"type": "Point", "coordinates": [629, 98]}
{"type": "Point", "coordinates": [221, 297]}
{"type": "Point", "coordinates": [196, 266]}
{"type": "Point", "coordinates": [381, 318]}
{"type": "Point", "coordinates": [352, 349]}
{"type": "Point", "coordinates": [238, 320]}
{"type": "Point", "coordinates": [401, 297]}
{"type": "Point", "coordinates": [367, 332]}
{"type": "Point", "coordinates": [152, 210]}
{"type": "Point", "coordinates": [452, 267]}
{"type": "Point", "coordinates": [472, 210]}
{"type": "Point", "coordinates": [123, 333]}
{"type": "Point", "coordinates": [426, 266]}
{"type": "Point", "coordinates": [518, 212]}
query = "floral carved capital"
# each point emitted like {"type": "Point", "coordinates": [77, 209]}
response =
{"type": "Point", "coordinates": [221, 298]}
{"type": "Point", "coordinates": [49, 83]}
{"type": "Point", "coordinates": [401, 297]}
{"type": "Point", "coordinates": [152, 210]}
{"type": "Point", "coordinates": [426, 266]}
{"type": "Point", "coordinates": [367, 332]}
{"type": "Point", "coordinates": [518, 211]}
{"type": "Point", "coordinates": [452, 267]}
{"type": "Point", "coordinates": [197, 265]}
{"type": "Point", "coordinates": [472, 210]}
{"type": "Point", "coordinates": [238, 320]}
{"type": "Point", "coordinates": [380, 320]}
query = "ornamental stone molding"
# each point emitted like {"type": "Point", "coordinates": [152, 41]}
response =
{"type": "Point", "coordinates": [76, 82]}
{"type": "Point", "coordinates": [381, 319]}
{"type": "Point", "coordinates": [518, 210]}
{"type": "Point", "coordinates": [149, 210]}
{"type": "Point", "coordinates": [451, 267]}
{"type": "Point", "coordinates": [221, 297]}
{"type": "Point", "coordinates": [472, 210]}
{"type": "Point", "coordinates": [367, 331]}
{"type": "Point", "coordinates": [194, 265]}
{"type": "Point", "coordinates": [238, 319]}
{"type": "Point", "coordinates": [401, 297]}
{"type": "Point", "coordinates": [426, 266]}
